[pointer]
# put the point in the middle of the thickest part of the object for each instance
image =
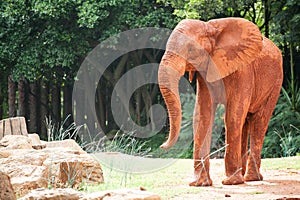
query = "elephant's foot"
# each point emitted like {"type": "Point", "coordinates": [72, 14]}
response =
{"type": "Point", "coordinates": [253, 172]}
{"type": "Point", "coordinates": [201, 173]}
{"type": "Point", "coordinates": [201, 182]}
{"type": "Point", "coordinates": [234, 179]}
{"type": "Point", "coordinates": [256, 176]}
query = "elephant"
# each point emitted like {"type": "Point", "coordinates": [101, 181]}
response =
{"type": "Point", "coordinates": [234, 65]}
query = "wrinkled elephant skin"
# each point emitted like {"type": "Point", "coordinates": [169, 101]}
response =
{"type": "Point", "coordinates": [236, 66]}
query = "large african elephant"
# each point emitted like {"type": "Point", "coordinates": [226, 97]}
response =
{"type": "Point", "coordinates": [236, 66]}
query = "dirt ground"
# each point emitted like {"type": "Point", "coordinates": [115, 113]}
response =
{"type": "Point", "coordinates": [277, 184]}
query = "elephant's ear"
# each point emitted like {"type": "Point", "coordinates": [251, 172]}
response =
{"type": "Point", "coordinates": [237, 43]}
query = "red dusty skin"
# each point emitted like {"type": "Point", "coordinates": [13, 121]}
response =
{"type": "Point", "coordinates": [168, 78]}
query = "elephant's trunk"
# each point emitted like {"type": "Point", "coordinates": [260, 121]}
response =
{"type": "Point", "coordinates": [168, 79]}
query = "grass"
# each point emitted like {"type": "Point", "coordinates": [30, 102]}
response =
{"type": "Point", "coordinates": [167, 182]}
{"type": "Point", "coordinates": [282, 163]}
{"type": "Point", "coordinates": [173, 180]}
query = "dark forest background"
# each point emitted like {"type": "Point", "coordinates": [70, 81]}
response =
{"type": "Point", "coordinates": [43, 43]}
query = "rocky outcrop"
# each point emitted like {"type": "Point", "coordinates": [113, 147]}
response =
{"type": "Point", "coordinates": [53, 194]}
{"type": "Point", "coordinates": [10, 142]}
{"type": "Point", "coordinates": [6, 189]}
{"type": "Point", "coordinates": [70, 194]}
{"type": "Point", "coordinates": [59, 164]}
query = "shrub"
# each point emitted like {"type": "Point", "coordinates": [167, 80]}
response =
{"type": "Point", "coordinates": [283, 136]}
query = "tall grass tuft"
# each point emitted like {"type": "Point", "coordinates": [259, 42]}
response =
{"type": "Point", "coordinates": [61, 131]}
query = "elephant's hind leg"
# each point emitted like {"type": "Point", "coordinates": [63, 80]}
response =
{"type": "Point", "coordinates": [235, 118]}
{"type": "Point", "coordinates": [244, 150]}
{"type": "Point", "coordinates": [258, 126]}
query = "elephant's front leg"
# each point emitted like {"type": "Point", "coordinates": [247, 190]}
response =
{"type": "Point", "coordinates": [234, 122]}
{"type": "Point", "coordinates": [202, 125]}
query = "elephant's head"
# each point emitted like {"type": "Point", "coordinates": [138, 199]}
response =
{"type": "Point", "coordinates": [216, 49]}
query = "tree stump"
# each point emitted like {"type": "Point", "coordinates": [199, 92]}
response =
{"type": "Point", "coordinates": [13, 126]}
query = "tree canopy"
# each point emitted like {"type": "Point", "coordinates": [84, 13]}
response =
{"type": "Point", "coordinates": [43, 43]}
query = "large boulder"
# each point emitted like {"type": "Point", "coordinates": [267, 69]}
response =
{"type": "Point", "coordinates": [6, 189]}
{"type": "Point", "coordinates": [53, 194]}
{"type": "Point", "coordinates": [67, 143]}
{"type": "Point", "coordinates": [64, 164]}
{"type": "Point", "coordinates": [9, 142]}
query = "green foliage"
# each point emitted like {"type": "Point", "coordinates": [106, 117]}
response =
{"type": "Point", "coordinates": [287, 19]}
{"type": "Point", "coordinates": [39, 36]}
{"type": "Point", "coordinates": [209, 9]}
{"type": "Point", "coordinates": [283, 136]}
{"type": "Point", "coordinates": [289, 141]}
{"type": "Point", "coordinates": [91, 13]}
{"type": "Point", "coordinates": [46, 39]}
{"type": "Point", "coordinates": [204, 9]}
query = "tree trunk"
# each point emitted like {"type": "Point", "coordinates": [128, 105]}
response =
{"type": "Point", "coordinates": [21, 98]}
{"type": "Point", "coordinates": [1, 107]}
{"type": "Point", "coordinates": [100, 108]}
{"type": "Point", "coordinates": [111, 125]}
{"type": "Point", "coordinates": [67, 104]}
{"type": "Point", "coordinates": [267, 17]}
{"type": "Point", "coordinates": [138, 107]}
{"type": "Point", "coordinates": [55, 102]}
{"type": "Point", "coordinates": [293, 90]}
{"type": "Point", "coordinates": [32, 108]}
{"type": "Point", "coordinates": [43, 111]}
{"type": "Point", "coordinates": [147, 104]}
{"type": "Point", "coordinates": [11, 97]}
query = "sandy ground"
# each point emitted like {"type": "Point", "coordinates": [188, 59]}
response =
{"type": "Point", "coordinates": [277, 184]}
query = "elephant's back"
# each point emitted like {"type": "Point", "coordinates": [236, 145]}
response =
{"type": "Point", "coordinates": [268, 65]}
{"type": "Point", "coordinates": [268, 74]}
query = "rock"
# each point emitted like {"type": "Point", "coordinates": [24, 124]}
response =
{"type": "Point", "coordinates": [53, 194]}
{"type": "Point", "coordinates": [37, 179]}
{"type": "Point", "coordinates": [36, 142]}
{"type": "Point", "coordinates": [15, 142]}
{"type": "Point", "coordinates": [35, 139]}
{"type": "Point", "coordinates": [70, 194]}
{"type": "Point", "coordinates": [68, 144]}
{"type": "Point", "coordinates": [5, 153]}
{"type": "Point", "coordinates": [227, 195]}
{"type": "Point", "coordinates": [81, 165]}
{"type": "Point", "coordinates": [13, 126]}
{"type": "Point", "coordinates": [6, 189]}
{"type": "Point", "coordinates": [92, 172]}
{"type": "Point", "coordinates": [57, 166]}
{"type": "Point", "coordinates": [70, 174]}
